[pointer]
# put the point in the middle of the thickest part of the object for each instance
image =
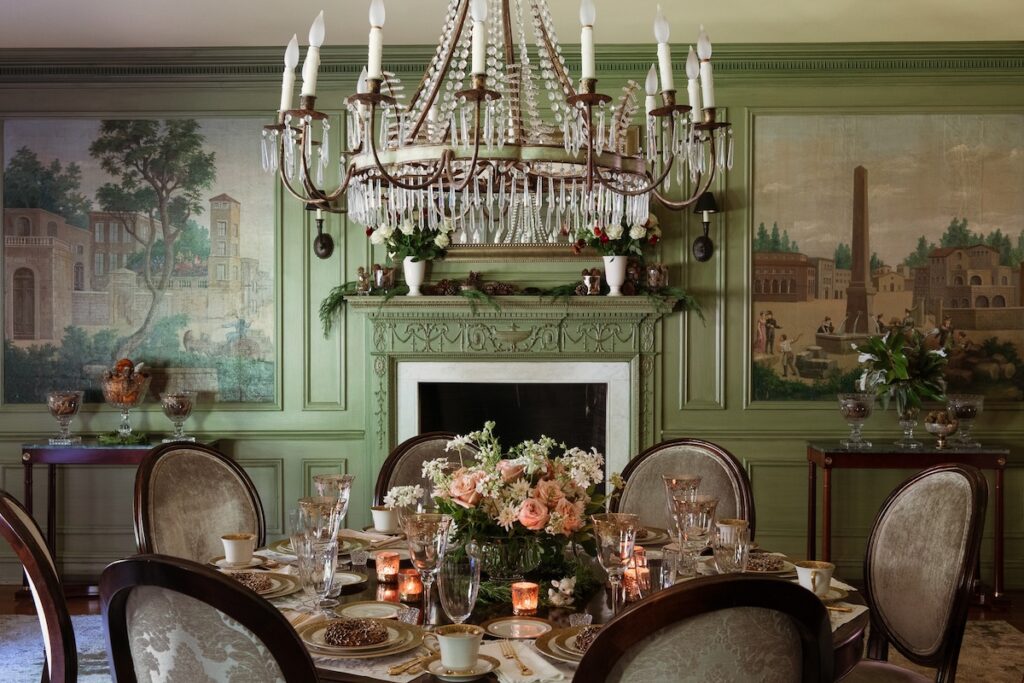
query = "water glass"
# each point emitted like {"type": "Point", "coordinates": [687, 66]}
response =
{"type": "Point", "coordinates": [317, 561]}
{"type": "Point", "coordinates": [681, 486]}
{"type": "Point", "coordinates": [427, 537]}
{"type": "Point", "coordinates": [458, 583]}
{"type": "Point", "coordinates": [694, 520]}
{"type": "Point", "coordinates": [731, 551]}
{"type": "Point", "coordinates": [668, 569]}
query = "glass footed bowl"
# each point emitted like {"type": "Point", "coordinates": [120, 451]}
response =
{"type": "Point", "coordinates": [125, 392]}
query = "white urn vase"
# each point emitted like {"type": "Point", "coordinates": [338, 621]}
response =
{"type": "Point", "coordinates": [615, 273]}
{"type": "Point", "coordinates": [415, 272]}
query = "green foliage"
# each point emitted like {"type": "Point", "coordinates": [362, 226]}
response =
{"type": "Point", "coordinates": [28, 184]}
{"type": "Point", "coordinates": [767, 385]}
{"type": "Point", "coordinates": [164, 341]}
{"type": "Point", "coordinates": [900, 366]}
{"type": "Point", "coordinates": [476, 297]}
{"type": "Point", "coordinates": [919, 257]}
{"type": "Point", "coordinates": [333, 303]}
{"type": "Point", "coordinates": [958, 235]}
{"type": "Point", "coordinates": [419, 241]}
{"type": "Point", "coordinates": [776, 241]}
{"type": "Point", "coordinates": [618, 240]}
{"type": "Point", "coordinates": [876, 262]}
{"type": "Point", "coordinates": [115, 439]}
{"type": "Point", "coordinates": [843, 256]}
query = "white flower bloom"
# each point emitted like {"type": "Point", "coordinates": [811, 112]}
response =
{"type": "Point", "coordinates": [865, 357]}
{"type": "Point", "coordinates": [637, 232]}
{"type": "Point", "coordinates": [447, 225]}
{"type": "Point", "coordinates": [407, 227]}
{"type": "Point", "coordinates": [388, 230]}
{"type": "Point", "coordinates": [614, 231]}
{"type": "Point", "coordinates": [377, 237]}
{"type": "Point", "coordinates": [507, 517]}
{"type": "Point", "coordinates": [442, 240]}
{"type": "Point", "coordinates": [403, 496]}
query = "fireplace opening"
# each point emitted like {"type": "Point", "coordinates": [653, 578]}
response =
{"type": "Point", "coordinates": [571, 413]}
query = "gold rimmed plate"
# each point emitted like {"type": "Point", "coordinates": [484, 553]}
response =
{"type": "Point", "coordinates": [834, 595]}
{"type": "Point", "coordinates": [653, 535]}
{"type": "Point", "coordinates": [517, 628]}
{"type": "Point", "coordinates": [401, 638]}
{"type": "Point", "coordinates": [345, 546]}
{"type": "Point", "coordinates": [280, 584]}
{"type": "Point", "coordinates": [221, 563]}
{"type": "Point", "coordinates": [484, 665]}
{"type": "Point", "coordinates": [547, 647]}
{"type": "Point", "coordinates": [369, 609]}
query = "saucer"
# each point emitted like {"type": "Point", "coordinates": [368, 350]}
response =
{"type": "Point", "coordinates": [256, 561]}
{"type": "Point", "coordinates": [484, 665]}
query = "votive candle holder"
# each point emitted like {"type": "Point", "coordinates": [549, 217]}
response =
{"type": "Point", "coordinates": [410, 586]}
{"type": "Point", "coordinates": [387, 567]}
{"type": "Point", "coordinates": [525, 596]}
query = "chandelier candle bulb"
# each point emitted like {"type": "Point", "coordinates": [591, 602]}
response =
{"type": "Point", "coordinates": [651, 88]}
{"type": "Point", "coordinates": [707, 83]}
{"type": "Point", "coordinates": [479, 12]}
{"type": "Point", "coordinates": [375, 52]}
{"type": "Point", "coordinates": [661, 34]}
{"type": "Point", "coordinates": [291, 60]}
{"type": "Point", "coordinates": [588, 15]}
{"type": "Point", "coordinates": [692, 87]}
{"type": "Point", "coordinates": [312, 63]}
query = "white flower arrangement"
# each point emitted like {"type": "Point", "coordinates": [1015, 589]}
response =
{"type": "Point", "coordinates": [403, 496]}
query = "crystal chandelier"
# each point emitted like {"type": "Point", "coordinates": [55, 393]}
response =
{"type": "Point", "coordinates": [497, 138]}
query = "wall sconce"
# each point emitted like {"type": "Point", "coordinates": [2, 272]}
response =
{"type": "Point", "coordinates": [703, 247]}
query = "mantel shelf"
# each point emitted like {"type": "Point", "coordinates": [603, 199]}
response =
{"type": "Point", "coordinates": [541, 306]}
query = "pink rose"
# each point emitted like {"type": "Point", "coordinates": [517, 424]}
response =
{"type": "Point", "coordinates": [463, 488]}
{"type": "Point", "coordinates": [572, 520]}
{"type": "Point", "coordinates": [548, 492]}
{"type": "Point", "coordinates": [533, 514]}
{"type": "Point", "coordinates": [510, 471]}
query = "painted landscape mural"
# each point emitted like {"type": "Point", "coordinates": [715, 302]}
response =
{"type": "Point", "coordinates": [147, 239]}
{"type": "Point", "coordinates": [863, 223]}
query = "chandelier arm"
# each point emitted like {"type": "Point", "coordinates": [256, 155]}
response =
{"type": "Point", "coordinates": [349, 175]}
{"type": "Point", "coordinates": [284, 176]}
{"type": "Point", "coordinates": [556, 65]}
{"type": "Point", "coordinates": [442, 163]}
{"type": "Point", "coordinates": [701, 189]}
{"type": "Point", "coordinates": [432, 94]}
{"type": "Point", "coordinates": [654, 183]}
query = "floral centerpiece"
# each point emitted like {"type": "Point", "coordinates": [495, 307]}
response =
{"type": "Point", "coordinates": [616, 243]}
{"type": "Point", "coordinates": [413, 244]}
{"type": "Point", "coordinates": [528, 506]}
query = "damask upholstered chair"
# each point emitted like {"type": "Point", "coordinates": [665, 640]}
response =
{"type": "Point", "coordinates": [172, 620]}
{"type": "Point", "coordinates": [21, 531]}
{"type": "Point", "coordinates": [721, 475]}
{"type": "Point", "coordinates": [918, 572]}
{"type": "Point", "coordinates": [187, 496]}
{"type": "Point", "coordinates": [404, 464]}
{"type": "Point", "coordinates": [734, 628]}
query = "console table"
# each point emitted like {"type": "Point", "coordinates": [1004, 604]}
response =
{"type": "Point", "coordinates": [881, 456]}
{"type": "Point", "coordinates": [81, 454]}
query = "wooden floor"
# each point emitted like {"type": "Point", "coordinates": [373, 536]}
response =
{"type": "Point", "coordinates": [1013, 614]}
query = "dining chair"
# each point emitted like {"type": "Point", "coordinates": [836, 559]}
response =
{"type": "Point", "coordinates": [187, 496]}
{"type": "Point", "coordinates": [722, 476]}
{"type": "Point", "coordinates": [404, 464]}
{"type": "Point", "coordinates": [918, 572]}
{"type": "Point", "coordinates": [26, 538]}
{"type": "Point", "coordinates": [171, 619]}
{"type": "Point", "coordinates": [730, 628]}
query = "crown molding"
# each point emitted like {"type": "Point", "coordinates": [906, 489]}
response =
{"type": "Point", "coordinates": [343, 63]}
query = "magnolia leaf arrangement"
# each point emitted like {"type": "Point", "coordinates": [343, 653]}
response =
{"type": "Point", "coordinates": [900, 366]}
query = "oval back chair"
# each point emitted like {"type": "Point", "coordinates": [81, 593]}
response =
{"type": "Point", "coordinates": [404, 465]}
{"type": "Point", "coordinates": [21, 531]}
{"type": "Point", "coordinates": [188, 495]}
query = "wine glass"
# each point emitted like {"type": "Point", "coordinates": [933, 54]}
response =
{"type": "Point", "coordinates": [64, 405]}
{"type": "Point", "coordinates": [317, 560]}
{"type": "Point", "coordinates": [694, 521]}
{"type": "Point", "coordinates": [681, 485]}
{"type": "Point", "coordinates": [856, 409]}
{"type": "Point", "coordinates": [427, 536]}
{"type": "Point", "coordinates": [732, 550]}
{"type": "Point", "coordinates": [616, 537]}
{"type": "Point", "coordinates": [337, 486]}
{"type": "Point", "coordinates": [320, 517]}
{"type": "Point", "coordinates": [177, 407]}
{"type": "Point", "coordinates": [458, 583]}
{"type": "Point", "coordinates": [965, 408]}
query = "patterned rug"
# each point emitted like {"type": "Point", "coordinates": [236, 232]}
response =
{"type": "Point", "coordinates": [993, 652]}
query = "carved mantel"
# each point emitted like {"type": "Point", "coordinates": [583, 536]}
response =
{"type": "Point", "coordinates": [437, 328]}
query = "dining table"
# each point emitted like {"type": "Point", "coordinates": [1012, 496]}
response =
{"type": "Point", "coordinates": [847, 636]}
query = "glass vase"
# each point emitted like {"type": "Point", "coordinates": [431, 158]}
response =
{"type": "Point", "coordinates": [510, 558]}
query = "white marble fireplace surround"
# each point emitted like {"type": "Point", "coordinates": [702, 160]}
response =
{"type": "Point", "coordinates": [615, 375]}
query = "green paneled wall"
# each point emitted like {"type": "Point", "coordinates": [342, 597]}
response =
{"type": "Point", "coordinates": [319, 421]}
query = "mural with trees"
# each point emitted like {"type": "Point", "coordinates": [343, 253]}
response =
{"type": "Point", "coordinates": [148, 239]}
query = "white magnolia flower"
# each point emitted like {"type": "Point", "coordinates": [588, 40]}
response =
{"type": "Point", "coordinates": [442, 240]}
{"type": "Point", "coordinates": [637, 232]}
{"type": "Point", "coordinates": [407, 227]}
{"type": "Point", "coordinates": [614, 231]}
{"type": "Point", "coordinates": [865, 357]}
{"type": "Point", "coordinates": [388, 230]}
{"type": "Point", "coordinates": [378, 236]}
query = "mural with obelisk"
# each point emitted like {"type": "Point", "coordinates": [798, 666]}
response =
{"type": "Point", "coordinates": [864, 223]}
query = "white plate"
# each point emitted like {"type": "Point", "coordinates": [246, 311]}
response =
{"type": "Point", "coordinates": [348, 578]}
{"type": "Point", "coordinates": [256, 561]}
{"type": "Point", "coordinates": [484, 665]}
{"type": "Point", "coordinates": [369, 609]}
{"type": "Point", "coordinates": [517, 628]}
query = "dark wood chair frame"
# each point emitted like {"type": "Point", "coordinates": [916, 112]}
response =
{"type": "Point", "coordinates": [206, 585]}
{"type": "Point", "coordinates": [143, 527]}
{"type": "Point", "coordinates": [709, 594]}
{"type": "Point", "coordinates": [730, 461]}
{"type": "Point", "coordinates": [395, 456]}
{"type": "Point", "coordinates": [947, 654]}
{"type": "Point", "coordinates": [35, 557]}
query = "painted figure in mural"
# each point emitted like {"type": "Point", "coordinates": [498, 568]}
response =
{"type": "Point", "coordinates": [908, 319]}
{"type": "Point", "coordinates": [788, 357]}
{"type": "Point", "coordinates": [826, 326]}
{"type": "Point", "coordinates": [880, 326]}
{"type": "Point", "coordinates": [945, 332]}
{"type": "Point", "coordinates": [760, 334]}
{"type": "Point", "coordinates": [770, 325]}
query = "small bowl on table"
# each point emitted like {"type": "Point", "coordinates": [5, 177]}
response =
{"type": "Point", "coordinates": [941, 425]}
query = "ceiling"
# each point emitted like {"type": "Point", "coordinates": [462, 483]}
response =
{"type": "Point", "coordinates": [201, 23]}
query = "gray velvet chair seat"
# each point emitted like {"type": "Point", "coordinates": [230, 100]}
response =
{"type": "Point", "coordinates": [871, 671]}
{"type": "Point", "coordinates": [404, 464]}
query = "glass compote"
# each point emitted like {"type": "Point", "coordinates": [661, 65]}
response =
{"type": "Point", "coordinates": [125, 392]}
{"type": "Point", "coordinates": [177, 407]}
{"type": "Point", "coordinates": [427, 536]}
{"type": "Point", "coordinates": [965, 408]}
{"type": "Point", "coordinates": [907, 419]}
{"type": "Point", "coordinates": [615, 533]}
{"type": "Point", "coordinates": [317, 560]}
{"type": "Point", "coordinates": [856, 409]}
{"type": "Point", "coordinates": [679, 485]}
{"type": "Point", "coordinates": [458, 584]}
{"type": "Point", "coordinates": [64, 405]}
{"type": "Point", "coordinates": [695, 520]}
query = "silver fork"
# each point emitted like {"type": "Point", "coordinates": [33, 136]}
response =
{"type": "Point", "coordinates": [509, 652]}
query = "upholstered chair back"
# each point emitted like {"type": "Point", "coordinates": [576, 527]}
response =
{"type": "Point", "coordinates": [722, 476]}
{"type": "Point", "coordinates": [187, 496]}
{"type": "Point", "coordinates": [920, 561]}
{"type": "Point", "coordinates": [173, 620]}
{"type": "Point", "coordinates": [23, 534]}
{"type": "Point", "coordinates": [404, 465]}
{"type": "Point", "coordinates": [722, 628]}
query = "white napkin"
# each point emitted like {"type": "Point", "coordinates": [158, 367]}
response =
{"type": "Point", "coordinates": [837, 619]}
{"type": "Point", "coordinates": [836, 583]}
{"type": "Point", "coordinates": [543, 670]}
{"type": "Point", "coordinates": [377, 540]}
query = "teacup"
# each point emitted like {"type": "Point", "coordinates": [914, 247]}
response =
{"type": "Point", "coordinates": [384, 519]}
{"type": "Point", "coordinates": [459, 645]}
{"type": "Point", "coordinates": [727, 528]}
{"type": "Point", "coordinates": [238, 548]}
{"type": "Point", "coordinates": [815, 576]}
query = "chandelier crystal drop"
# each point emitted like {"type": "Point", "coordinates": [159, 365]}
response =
{"type": "Point", "coordinates": [497, 139]}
